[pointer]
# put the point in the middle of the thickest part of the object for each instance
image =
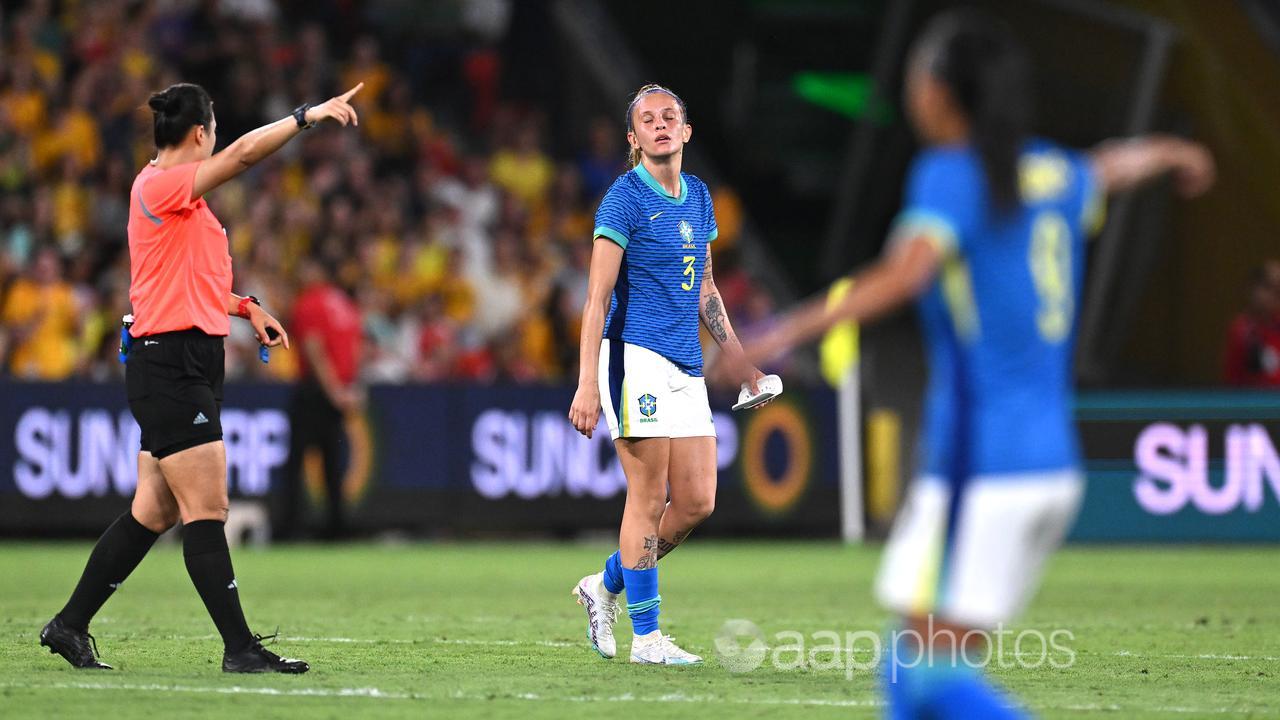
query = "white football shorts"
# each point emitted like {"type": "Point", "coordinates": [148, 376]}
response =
{"type": "Point", "coordinates": [643, 394]}
{"type": "Point", "coordinates": [976, 564]}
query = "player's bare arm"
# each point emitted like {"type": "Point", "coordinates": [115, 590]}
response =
{"type": "Point", "coordinates": [890, 282]}
{"type": "Point", "coordinates": [716, 320]}
{"type": "Point", "coordinates": [606, 261]}
{"type": "Point", "coordinates": [1122, 165]}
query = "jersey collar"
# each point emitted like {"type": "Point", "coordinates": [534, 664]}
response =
{"type": "Point", "coordinates": [657, 187]}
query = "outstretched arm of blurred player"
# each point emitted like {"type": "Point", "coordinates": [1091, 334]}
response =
{"type": "Point", "coordinates": [606, 261]}
{"type": "Point", "coordinates": [250, 148]}
{"type": "Point", "coordinates": [1122, 165]}
{"type": "Point", "coordinates": [714, 316]}
{"type": "Point", "coordinates": [895, 278]}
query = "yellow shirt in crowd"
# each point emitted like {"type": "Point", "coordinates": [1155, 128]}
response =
{"type": "Point", "coordinates": [49, 351]}
{"type": "Point", "coordinates": [525, 176]}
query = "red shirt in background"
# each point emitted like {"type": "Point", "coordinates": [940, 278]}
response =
{"type": "Point", "coordinates": [180, 270]}
{"type": "Point", "coordinates": [1253, 352]}
{"type": "Point", "coordinates": [328, 314]}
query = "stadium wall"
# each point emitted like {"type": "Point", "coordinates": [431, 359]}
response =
{"type": "Point", "coordinates": [1180, 466]}
{"type": "Point", "coordinates": [427, 460]}
{"type": "Point", "coordinates": [483, 461]}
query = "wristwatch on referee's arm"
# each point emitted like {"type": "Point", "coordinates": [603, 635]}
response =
{"type": "Point", "coordinates": [300, 116]}
{"type": "Point", "coordinates": [242, 310]}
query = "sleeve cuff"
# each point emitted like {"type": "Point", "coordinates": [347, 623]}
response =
{"type": "Point", "coordinates": [935, 229]}
{"type": "Point", "coordinates": [714, 234]}
{"type": "Point", "coordinates": [612, 234]}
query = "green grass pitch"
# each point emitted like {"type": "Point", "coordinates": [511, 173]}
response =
{"type": "Point", "coordinates": [489, 630]}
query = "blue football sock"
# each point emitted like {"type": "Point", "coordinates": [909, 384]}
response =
{"type": "Point", "coordinates": [903, 687]}
{"type": "Point", "coordinates": [613, 580]}
{"type": "Point", "coordinates": [970, 697]}
{"type": "Point", "coordinates": [642, 599]}
{"type": "Point", "coordinates": [918, 688]}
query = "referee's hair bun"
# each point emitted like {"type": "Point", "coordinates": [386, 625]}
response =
{"type": "Point", "coordinates": [177, 109]}
{"type": "Point", "coordinates": [165, 102]}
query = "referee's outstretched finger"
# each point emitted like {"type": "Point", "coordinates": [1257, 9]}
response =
{"type": "Point", "coordinates": [348, 94]}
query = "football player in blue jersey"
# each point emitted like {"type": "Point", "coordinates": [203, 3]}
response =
{"type": "Point", "coordinates": [991, 243]}
{"type": "Point", "coordinates": [649, 284]}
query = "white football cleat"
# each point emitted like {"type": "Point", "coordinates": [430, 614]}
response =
{"type": "Point", "coordinates": [658, 649]}
{"type": "Point", "coordinates": [770, 387]}
{"type": "Point", "coordinates": [602, 613]}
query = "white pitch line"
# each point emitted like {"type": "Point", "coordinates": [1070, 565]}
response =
{"type": "Point", "coordinates": [562, 644]}
{"type": "Point", "coordinates": [682, 698]}
{"type": "Point", "coordinates": [374, 693]}
{"type": "Point", "coordinates": [395, 641]}
{"type": "Point", "coordinates": [378, 694]}
{"type": "Point", "coordinates": [1173, 710]}
{"type": "Point", "coordinates": [540, 643]}
{"type": "Point", "coordinates": [1201, 656]}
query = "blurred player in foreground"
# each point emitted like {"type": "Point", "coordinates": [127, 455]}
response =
{"type": "Point", "coordinates": [651, 272]}
{"type": "Point", "coordinates": [991, 242]}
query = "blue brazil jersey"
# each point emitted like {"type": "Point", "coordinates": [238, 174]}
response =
{"type": "Point", "coordinates": [664, 238]}
{"type": "Point", "coordinates": [999, 320]}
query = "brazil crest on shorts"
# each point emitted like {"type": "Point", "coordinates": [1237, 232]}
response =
{"type": "Point", "coordinates": [665, 240]}
{"type": "Point", "coordinates": [648, 407]}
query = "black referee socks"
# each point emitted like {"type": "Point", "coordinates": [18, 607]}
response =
{"type": "Point", "coordinates": [117, 553]}
{"type": "Point", "coordinates": [204, 544]}
{"type": "Point", "coordinates": [123, 546]}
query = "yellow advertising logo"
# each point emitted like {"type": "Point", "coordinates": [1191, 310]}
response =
{"type": "Point", "coordinates": [777, 495]}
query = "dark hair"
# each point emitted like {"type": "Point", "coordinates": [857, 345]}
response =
{"type": "Point", "coordinates": [988, 73]}
{"type": "Point", "coordinates": [633, 155]}
{"type": "Point", "coordinates": [177, 109]}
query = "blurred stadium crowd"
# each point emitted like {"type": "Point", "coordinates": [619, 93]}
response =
{"type": "Point", "coordinates": [463, 241]}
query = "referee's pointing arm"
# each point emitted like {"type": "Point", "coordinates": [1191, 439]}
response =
{"type": "Point", "coordinates": [253, 146]}
{"type": "Point", "coordinates": [247, 151]}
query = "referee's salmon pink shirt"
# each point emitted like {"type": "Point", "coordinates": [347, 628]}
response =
{"type": "Point", "coordinates": [179, 266]}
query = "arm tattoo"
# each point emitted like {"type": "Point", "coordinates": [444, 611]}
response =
{"type": "Point", "coordinates": [713, 314]}
{"type": "Point", "coordinates": [650, 557]}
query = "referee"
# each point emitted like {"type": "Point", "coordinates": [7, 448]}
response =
{"type": "Point", "coordinates": [180, 289]}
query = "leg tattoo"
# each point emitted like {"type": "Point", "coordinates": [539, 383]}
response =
{"type": "Point", "coordinates": [666, 546]}
{"type": "Point", "coordinates": [650, 557]}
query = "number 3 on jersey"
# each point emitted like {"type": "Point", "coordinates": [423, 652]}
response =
{"type": "Point", "coordinates": [1050, 262]}
{"type": "Point", "coordinates": [688, 271]}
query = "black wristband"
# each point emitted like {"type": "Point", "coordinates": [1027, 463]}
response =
{"type": "Point", "coordinates": [300, 116]}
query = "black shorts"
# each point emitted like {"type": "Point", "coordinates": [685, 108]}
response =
{"type": "Point", "coordinates": [174, 383]}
